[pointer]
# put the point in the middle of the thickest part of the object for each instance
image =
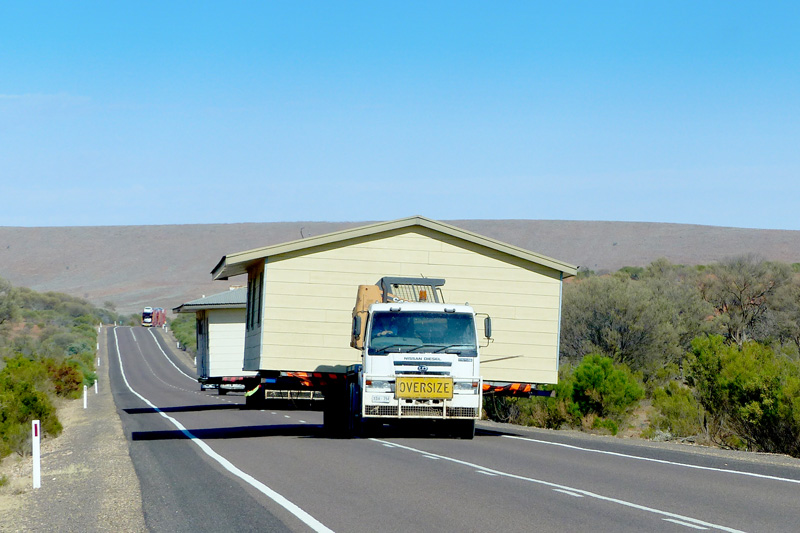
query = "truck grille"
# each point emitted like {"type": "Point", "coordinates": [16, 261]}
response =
{"type": "Point", "coordinates": [421, 411]}
{"type": "Point", "coordinates": [462, 412]}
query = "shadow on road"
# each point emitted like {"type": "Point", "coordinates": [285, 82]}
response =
{"type": "Point", "coordinates": [183, 409]}
{"type": "Point", "coordinates": [242, 432]}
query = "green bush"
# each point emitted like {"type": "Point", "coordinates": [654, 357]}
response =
{"type": "Point", "coordinates": [23, 399]}
{"type": "Point", "coordinates": [597, 394]}
{"type": "Point", "coordinates": [604, 389]}
{"type": "Point", "coordinates": [751, 393]}
{"type": "Point", "coordinates": [183, 328]}
{"type": "Point", "coordinates": [678, 413]}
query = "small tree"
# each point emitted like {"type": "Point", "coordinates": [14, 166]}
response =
{"type": "Point", "coordinates": [751, 393]}
{"type": "Point", "coordinates": [741, 291]}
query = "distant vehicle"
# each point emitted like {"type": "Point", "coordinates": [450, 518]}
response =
{"type": "Point", "coordinates": [159, 317]}
{"type": "Point", "coordinates": [153, 317]}
{"type": "Point", "coordinates": [147, 317]}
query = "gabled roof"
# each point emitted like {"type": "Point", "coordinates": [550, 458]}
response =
{"type": "Point", "coordinates": [232, 299]}
{"type": "Point", "coordinates": [237, 263]}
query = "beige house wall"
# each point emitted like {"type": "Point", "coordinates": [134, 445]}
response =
{"type": "Point", "coordinates": [309, 296]}
{"type": "Point", "coordinates": [226, 336]}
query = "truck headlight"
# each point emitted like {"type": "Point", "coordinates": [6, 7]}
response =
{"type": "Point", "coordinates": [375, 385]}
{"type": "Point", "coordinates": [466, 387]}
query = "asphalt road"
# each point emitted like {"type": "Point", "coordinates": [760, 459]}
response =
{"type": "Point", "coordinates": [206, 463]}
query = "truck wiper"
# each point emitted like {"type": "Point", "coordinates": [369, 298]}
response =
{"type": "Point", "coordinates": [417, 347]}
{"type": "Point", "coordinates": [450, 347]}
{"type": "Point", "coordinates": [386, 348]}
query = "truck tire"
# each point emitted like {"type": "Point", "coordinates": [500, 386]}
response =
{"type": "Point", "coordinates": [222, 392]}
{"type": "Point", "coordinates": [333, 413]}
{"type": "Point", "coordinates": [339, 416]}
{"type": "Point", "coordinates": [463, 429]}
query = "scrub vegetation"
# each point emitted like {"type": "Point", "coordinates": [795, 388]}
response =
{"type": "Point", "coordinates": [183, 329]}
{"type": "Point", "coordinates": [47, 351]}
{"type": "Point", "coordinates": [709, 354]}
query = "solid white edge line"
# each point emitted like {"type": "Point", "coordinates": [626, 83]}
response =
{"type": "Point", "coordinates": [565, 487]}
{"type": "Point", "coordinates": [303, 516]}
{"type": "Point", "coordinates": [662, 461]}
{"type": "Point", "coordinates": [570, 493]}
{"type": "Point", "coordinates": [167, 357]}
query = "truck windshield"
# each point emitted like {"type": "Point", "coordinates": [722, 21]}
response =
{"type": "Point", "coordinates": [421, 331]}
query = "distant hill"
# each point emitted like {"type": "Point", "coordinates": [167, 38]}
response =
{"type": "Point", "coordinates": [165, 266]}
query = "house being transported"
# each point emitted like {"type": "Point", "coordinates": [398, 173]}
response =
{"type": "Point", "coordinates": [220, 331]}
{"type": "Point", "coordinates": [300, 297]}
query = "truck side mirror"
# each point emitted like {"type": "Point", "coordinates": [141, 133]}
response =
{"type": "Point", "coordinates": [487, 327]}
{"type": "Point", "coordinates": [355, 335]}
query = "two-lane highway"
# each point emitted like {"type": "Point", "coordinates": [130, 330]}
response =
{"type": "Point", "coordinates": [207, 463]}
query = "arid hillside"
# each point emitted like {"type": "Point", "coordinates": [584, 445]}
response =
{"type": "Point", "coordinates": [165, 266]}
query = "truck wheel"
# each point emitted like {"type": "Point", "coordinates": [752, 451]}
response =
{"type": "Point", "coordinates": [222, 392]}
{"type": "Point", "coordinates": [336, 413]}
{"type": "Point", "coordinates": [464, 429]}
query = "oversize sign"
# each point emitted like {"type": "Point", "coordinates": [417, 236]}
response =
{"type": "Point", "coordinates": [414, 387]}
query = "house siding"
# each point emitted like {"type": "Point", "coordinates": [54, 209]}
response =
{"type": "Point", "coordinates": [226, 330]}
{"type": "Point", "coordinates": [309, 296]}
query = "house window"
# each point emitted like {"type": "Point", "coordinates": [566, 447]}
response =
{"type": "Point", "coordinates": [255, 294]}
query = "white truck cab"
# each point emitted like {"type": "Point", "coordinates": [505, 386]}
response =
{"type": "Point", "coordinates": [420, 359]}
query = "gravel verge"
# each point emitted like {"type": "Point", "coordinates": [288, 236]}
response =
{"type": "Point", "coordinates": [88, 480]}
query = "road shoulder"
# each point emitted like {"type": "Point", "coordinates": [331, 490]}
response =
{"type": "Point", "coordinates": [88, 480]}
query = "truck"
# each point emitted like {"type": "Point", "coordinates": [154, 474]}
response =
{"type": "Point", "coordinates": [420, 357]}
{"type": "Point", "coordinates": [420, 360]}
{"type": "Point", "coordinates": [153, 317]}
{"type": "Point", "coordinates": [147, 317]}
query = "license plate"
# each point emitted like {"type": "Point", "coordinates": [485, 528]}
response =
{"type": "Point", "coordinates": [382, 398]}
{"type": "Point", "coordinates": [408, 387]}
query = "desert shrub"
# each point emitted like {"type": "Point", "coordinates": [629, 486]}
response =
{"type": "Point", "coordinates": [678, 413]}
{"type": "Point", "coordinates": [661, 378]}
{"type": "Point", "coordinates": [597, 394]}
{"type": "Point", "coordinates": [67, 379]}
{"type": "Point", "coordinates": [605, 389]}
{"type": "Point", "coordinates": [751, 393]}
{"type": "Point", "coordinates": [183, 328]}
{"type": "Point", "coordinates": [22, 399]}
{"type": "Point", "coordinates": [552, 412]}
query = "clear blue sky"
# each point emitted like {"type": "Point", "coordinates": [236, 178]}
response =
{"type": "Point", "coordinates": [125, 113]}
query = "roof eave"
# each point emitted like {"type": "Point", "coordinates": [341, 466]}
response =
{"type": "Point", "coordinates": [237, 263]}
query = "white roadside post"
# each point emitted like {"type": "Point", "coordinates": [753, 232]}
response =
{"type": "Point", "coordinates": [95, 386]}
{"type": "Point", "coordinates": [36, 452]}
{"type": "Point", "coordinates": [84, 396]}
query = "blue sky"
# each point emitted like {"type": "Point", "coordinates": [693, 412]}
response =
{"type": "Point", "coordinates": [126, 113]}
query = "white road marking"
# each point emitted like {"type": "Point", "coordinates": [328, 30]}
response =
{"type": "Point", "coordinates": [569, 493]}
{"type": "Point", "coordinates": [627, 456]}
{"type": "Point", "coordinates": [684, 524]}
{"type": "Point", "coordinates": [303, 516]}
{"type": "Point", "coordinates": [167, 357]}
{"type": "Point", "coordinates": [632, 505]}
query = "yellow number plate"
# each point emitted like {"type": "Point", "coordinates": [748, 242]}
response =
{"type": "Point", "coordinates": [407, 387]}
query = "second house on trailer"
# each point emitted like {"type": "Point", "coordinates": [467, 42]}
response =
{"type": "Point", "coordinates": [220, 339]}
